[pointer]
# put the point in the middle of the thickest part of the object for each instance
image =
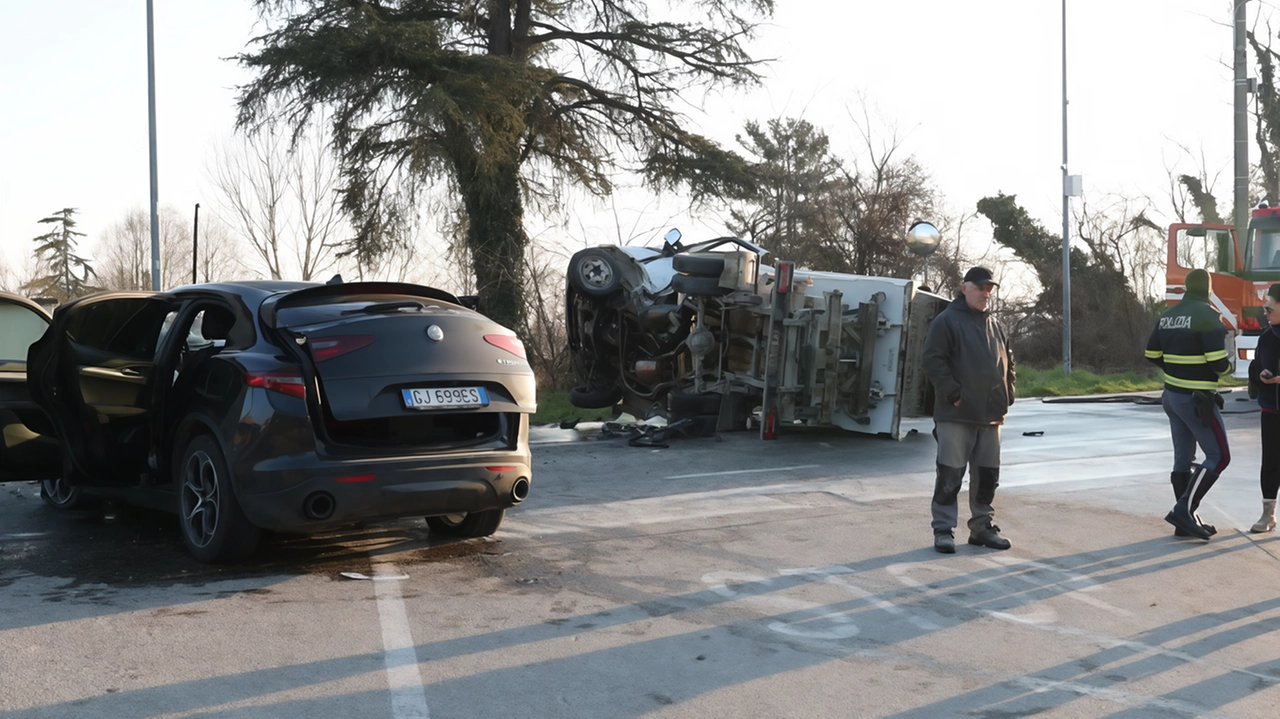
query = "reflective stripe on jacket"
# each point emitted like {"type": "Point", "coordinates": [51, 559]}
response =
{"type": "Point", "coordinates": [1189, 346]}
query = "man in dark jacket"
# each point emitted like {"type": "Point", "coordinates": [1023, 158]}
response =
{"type": "Point", "coordinates": [971, 368]}
{"type": "Point", "coordinates": [1189, 346]}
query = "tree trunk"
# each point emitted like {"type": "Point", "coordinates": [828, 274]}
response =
{"type": "Point", "coordinates": [496, 238]}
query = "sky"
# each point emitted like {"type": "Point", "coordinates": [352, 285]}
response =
{"type": "Point", "coordinates": [973, 90]}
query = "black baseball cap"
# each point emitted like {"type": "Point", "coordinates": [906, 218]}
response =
{"type": "Point", "coordinates": [980, 276]}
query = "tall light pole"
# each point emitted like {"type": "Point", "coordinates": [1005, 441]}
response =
{"type": "Point", "coordinates": [1066, 213]}
{"type": "Point", "coordinates": [151, 118]}
{"type": "Point", "coordinates": [1241, 100]}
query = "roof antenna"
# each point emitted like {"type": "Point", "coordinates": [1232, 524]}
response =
{"type": "Point", "coordinates": [335, 280]}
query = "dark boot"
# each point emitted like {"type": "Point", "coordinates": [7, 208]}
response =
{"type": "Point", "coordinates": [1180, 482]}
{"type": "Point", "coordinates": [1183, 514]}
{"type": "Point", "coordinates": [989, 537]}
{"type": "Point", "coordinates": [1207, 480]}
{"type": "Point", "coordinates": [944, 541]}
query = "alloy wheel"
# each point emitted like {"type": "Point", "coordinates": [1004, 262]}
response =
{"type": "Point", "coordinates": [201, 497]}
{"type": "Point", "coordinates": [59, 492]}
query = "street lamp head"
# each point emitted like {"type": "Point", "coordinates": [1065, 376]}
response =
{"type": "Point", "coordinates": [923, 238]}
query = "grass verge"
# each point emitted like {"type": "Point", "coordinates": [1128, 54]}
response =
{"type": "Point", "coordinates": [554, 406]}
{"type": "Point", "coordinates": [1034, 382]}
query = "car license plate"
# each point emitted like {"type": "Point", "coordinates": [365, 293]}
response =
{"type": "Point", "coordinates": [445, 398]}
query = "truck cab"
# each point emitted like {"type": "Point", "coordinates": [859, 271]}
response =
{"type": "Point", "coordinates": [1241, 271]}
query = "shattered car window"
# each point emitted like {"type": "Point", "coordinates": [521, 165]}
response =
{"type": "Point", "coordinates": [19, 327]}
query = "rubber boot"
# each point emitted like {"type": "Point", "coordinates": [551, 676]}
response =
{"type": "Point", "coordinates": [1199, 490]}
{"type": "Point", "coordinates": [1180, 481]}
{"type": "Point", "coordinates": [1182, 519]}
{"type": "Point", "coordinates": [1268, 520]}
{"type": "Point", "coordinates": [1182, 516]}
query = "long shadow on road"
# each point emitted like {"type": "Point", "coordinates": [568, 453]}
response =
{"type": "Point", "coordinates": [683, 666]}
{"type": "Point", "coordinates": [113, 559]}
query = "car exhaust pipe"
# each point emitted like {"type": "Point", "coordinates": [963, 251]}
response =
{"type": "Point", "coordinates": [319, 505]}
{"type": "Point", "coordinates": [519, 490]}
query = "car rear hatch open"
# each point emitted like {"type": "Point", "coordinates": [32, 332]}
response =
{"type": "Point", "coordinates": [405, 366]}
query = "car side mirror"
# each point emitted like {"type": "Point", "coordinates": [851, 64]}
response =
{"type": "Point", "coordinates": [672, 244]}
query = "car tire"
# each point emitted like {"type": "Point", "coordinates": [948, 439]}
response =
{"type": "Point", "coordinates": [599, 398]}
{"type": "Point", "coordinates": [698, 265]}
{"type": "Point", "coordinates": [57, 494]}
{"type": "Point", "coordinates": [466, 524]}
{"type": "Point", "coordinates": [594, 273]}
{"type": "Point", "coordinates": [689, 404]}
{"type": "Point", "coordinates": [687, 285]}
{"type": "Point", "coordinates": [214, 528]}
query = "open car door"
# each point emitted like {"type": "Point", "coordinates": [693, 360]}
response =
{"type": "Point", "coordinates": [28, 447]}
{"type": "Point", "coordinates": [96, 380]}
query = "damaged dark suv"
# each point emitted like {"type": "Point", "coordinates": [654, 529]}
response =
{"type": "Point", "coordinates": [283, 406]}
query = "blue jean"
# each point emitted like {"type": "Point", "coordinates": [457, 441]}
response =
{"type": "Point", "coordinates": [1188, 431]}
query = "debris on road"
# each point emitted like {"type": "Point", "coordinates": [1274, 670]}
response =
{"type": "Point", "coordinates": [379, 577]}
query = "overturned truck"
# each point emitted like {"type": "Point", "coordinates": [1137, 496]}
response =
{"type": "Point", "coordinates": [711, 333]}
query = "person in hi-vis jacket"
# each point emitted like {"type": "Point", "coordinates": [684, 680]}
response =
{"type": "Point", "coordinates": [968, 361]}
{"type": "Point", "coordinates": [1189, 345]}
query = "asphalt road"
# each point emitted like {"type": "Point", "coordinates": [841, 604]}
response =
{"type": "Point", "coordinates": [717, 578]}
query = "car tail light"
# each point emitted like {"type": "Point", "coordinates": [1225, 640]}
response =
{"type": "Point", "coordinates": [510, 343]}
{"type": "Point", "coordinates": [502, 468]}
{"type": "Point", "coordinates": [325, 348]}
{"type": "Point", "coordinates": [284, 382]}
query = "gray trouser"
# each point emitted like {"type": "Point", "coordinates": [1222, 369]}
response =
{"type": "Point", "coordinates": [1188, 430]}
{"type": "Point", "coordinates": [975, 445]}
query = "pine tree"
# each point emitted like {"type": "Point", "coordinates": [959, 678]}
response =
{"type": "Point", "coordinates": [506, 101]}
{"type": "Point", "coordinates": [65, 274]}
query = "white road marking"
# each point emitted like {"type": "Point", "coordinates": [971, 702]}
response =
{"type": "Point", "coordinates": [830, 576]}
{"type": "Point", "coordinates": [1081, 582]}
{"type": "Point", "coordinates": [633, 513]}
{"type": "Point", "coordinates": [743, 471]}
{"type": "Point", "coordinates": [1138, 648]}
{"type": "Point", "coordinates": [408, 696]}
{"type": "Point", "coordinates": [841, 627]}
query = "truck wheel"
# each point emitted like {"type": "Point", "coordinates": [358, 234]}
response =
{"type": "Point", "coordinates": [466, 524]}
{"type": "Point", "coordinates": [699, 266]}
{"type": "Point", "coordinates": [687, 285]}
{"type": "Point", "coordinates": [213, 526]}
{"type": "Point", "coordinates": [599, 398]}
{"type": "Point", "coordinates": [593, 272]}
